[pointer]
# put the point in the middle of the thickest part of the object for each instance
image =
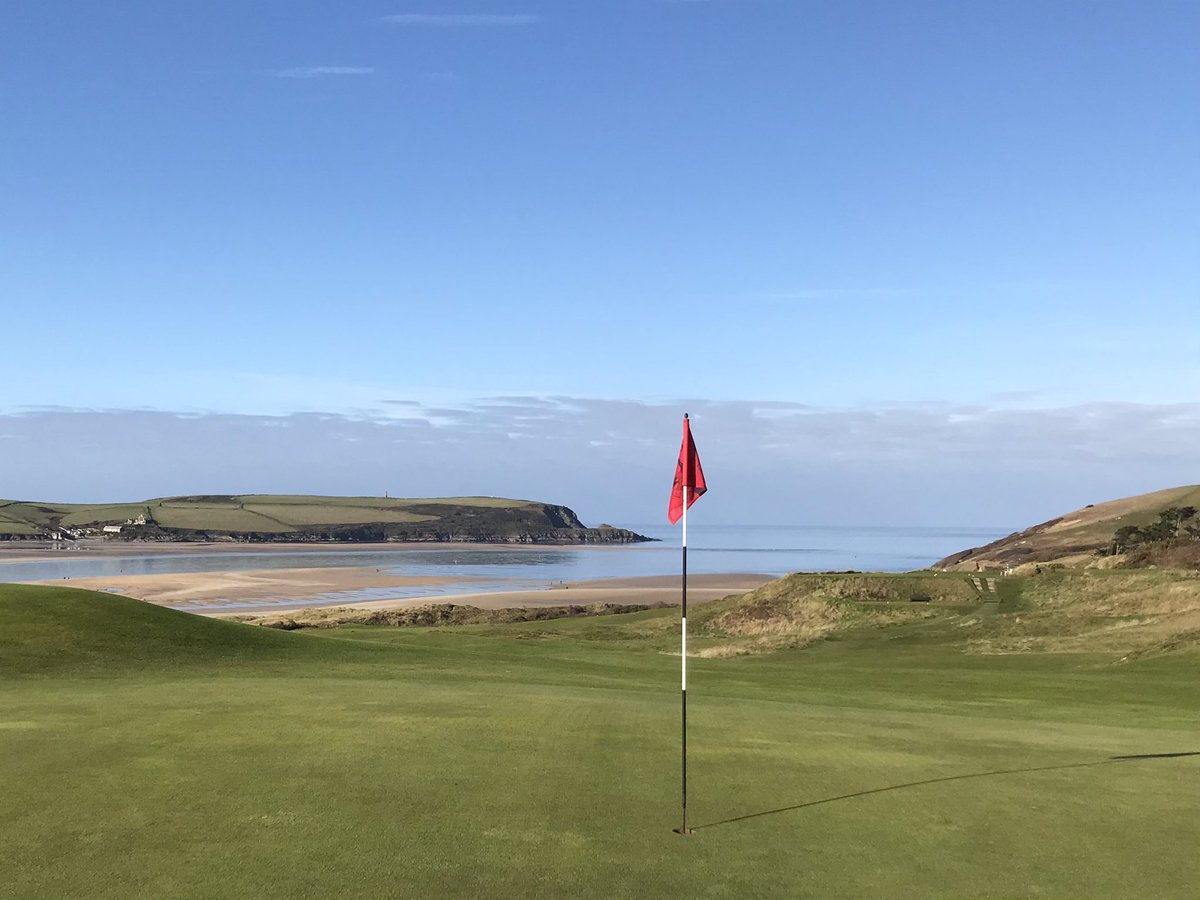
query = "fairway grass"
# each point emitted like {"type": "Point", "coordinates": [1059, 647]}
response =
{"type": "Point", "coordinates": [542, 760]}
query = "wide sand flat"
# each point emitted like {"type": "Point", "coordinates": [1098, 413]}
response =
{"type": "Point", "coordinates": [222, 592]}
{"type": "Point", "coordinates": [648, 590]}
{"type": "Point", "coordinates": [192, 587]}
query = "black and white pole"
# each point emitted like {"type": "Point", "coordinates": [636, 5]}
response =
{"type": "Point", "coordinates": [683, 669]}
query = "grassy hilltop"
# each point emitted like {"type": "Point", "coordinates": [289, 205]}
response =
{"type": "Point", "coordinates": [1076, 537]}
{"type": "Point", "coordinates": [277, 517]}
{"type": "Point", "coordinates": [849, 736]}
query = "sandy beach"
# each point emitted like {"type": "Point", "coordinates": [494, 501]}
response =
{"type": "Point", "coordinates": [217, 593]}
{"type": "Point", "coordinates": [648, 590]}
{"type": "Point", "coordinates": [197, 587]}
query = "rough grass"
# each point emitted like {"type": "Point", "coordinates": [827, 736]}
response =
{"type": "Point", "coordinates": [1115, 613]}
{"type": "Point", "coordinates": [1112, 612]}
{"type": "Point", "coordinates": [434, 615]}
{"type": "Point", "coordinates": [801, 608]}
{"type": "Point", "coordinates": [541, 759]}
{"type": "Point", "coordinates": [1180, 553]}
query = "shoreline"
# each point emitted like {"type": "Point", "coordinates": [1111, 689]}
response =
{"type": "Point", "coordinates": [291, 590]}
{"type": "Point", "coordinates": [13, 552]}
{"type": "Point", "coordinates": [571, 594]}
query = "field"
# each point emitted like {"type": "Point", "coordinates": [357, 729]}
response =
{"type": "Point", "coordinates": [248, 512]}
{"type": "Point", "coordinates": [383, 502]}
{"type": "Point", "coordinates": [147, 753]}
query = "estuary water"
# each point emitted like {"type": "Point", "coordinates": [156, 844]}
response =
{"type": "Point", "coordinates": [713, 549]}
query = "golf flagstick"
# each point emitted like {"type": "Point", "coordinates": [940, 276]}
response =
{"type": "Point", "coordinates": [689, 485]}
{"type": "Point", "coordinates": [683, 666]}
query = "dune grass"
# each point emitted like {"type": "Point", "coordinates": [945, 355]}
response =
{"type": "Point", "coordinates": [146, 754]}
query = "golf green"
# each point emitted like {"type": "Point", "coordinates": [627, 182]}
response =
{"type": "Point", "coordinates": [148, 754]}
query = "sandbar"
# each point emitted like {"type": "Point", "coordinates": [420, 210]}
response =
{"type": "Point", "coordinates": [648, 590]}
{"type": "Point", "coordinates": [191, 587]}
{"type": "Point", "coordinates": [216, 593]}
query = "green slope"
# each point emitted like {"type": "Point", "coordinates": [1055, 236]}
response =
{"type": "Point", "coordinates": [62, 631]}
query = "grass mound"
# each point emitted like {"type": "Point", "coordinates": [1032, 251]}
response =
{"type": "Point", "coordinates": [800, 609]}
{"type": "Point", "coordinates": [1117, 613]}
{"type": "Point", "coordinates": [51, 630]}
{"type": "Point", "coordinates": [1112, 612]}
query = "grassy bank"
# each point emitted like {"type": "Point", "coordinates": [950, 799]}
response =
{"type": "Point", "coordinates": [147, 753]}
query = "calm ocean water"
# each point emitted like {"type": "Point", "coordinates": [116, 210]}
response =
{"type": "Point", "coordinates": [770, 550]}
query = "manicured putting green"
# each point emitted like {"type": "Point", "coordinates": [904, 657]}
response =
{"type": "Point", "coordinates": [150, 754]}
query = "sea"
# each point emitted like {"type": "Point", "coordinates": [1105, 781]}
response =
{"type": "Point", "coordinates": [712, 549]}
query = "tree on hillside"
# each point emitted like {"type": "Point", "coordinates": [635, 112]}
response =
{"type": "Point", "coordinates": [1173, 522]}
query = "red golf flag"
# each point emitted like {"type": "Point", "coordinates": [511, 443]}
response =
{"type": "Point", "coordinates": [688, 473]}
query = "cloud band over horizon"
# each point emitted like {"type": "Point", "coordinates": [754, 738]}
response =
{"type": "Point", "coordinates": [771, 462]}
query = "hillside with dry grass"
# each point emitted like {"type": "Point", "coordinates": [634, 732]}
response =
{"type": "Point", "coordinates": [1119, 614]}
{"type": "Point", "coordinates": [1077, 538]}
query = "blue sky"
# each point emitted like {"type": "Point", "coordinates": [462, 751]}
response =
{"type": "Point", "coordinates": [265, 209]}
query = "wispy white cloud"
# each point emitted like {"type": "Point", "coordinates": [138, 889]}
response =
{"type": "Point", "coordinates": [322, 71]}
{"type": "Point", "coordinates": [450, 20]}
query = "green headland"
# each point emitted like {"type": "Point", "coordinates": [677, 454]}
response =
{"type": "Point", "coordinates": [291, 518]}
